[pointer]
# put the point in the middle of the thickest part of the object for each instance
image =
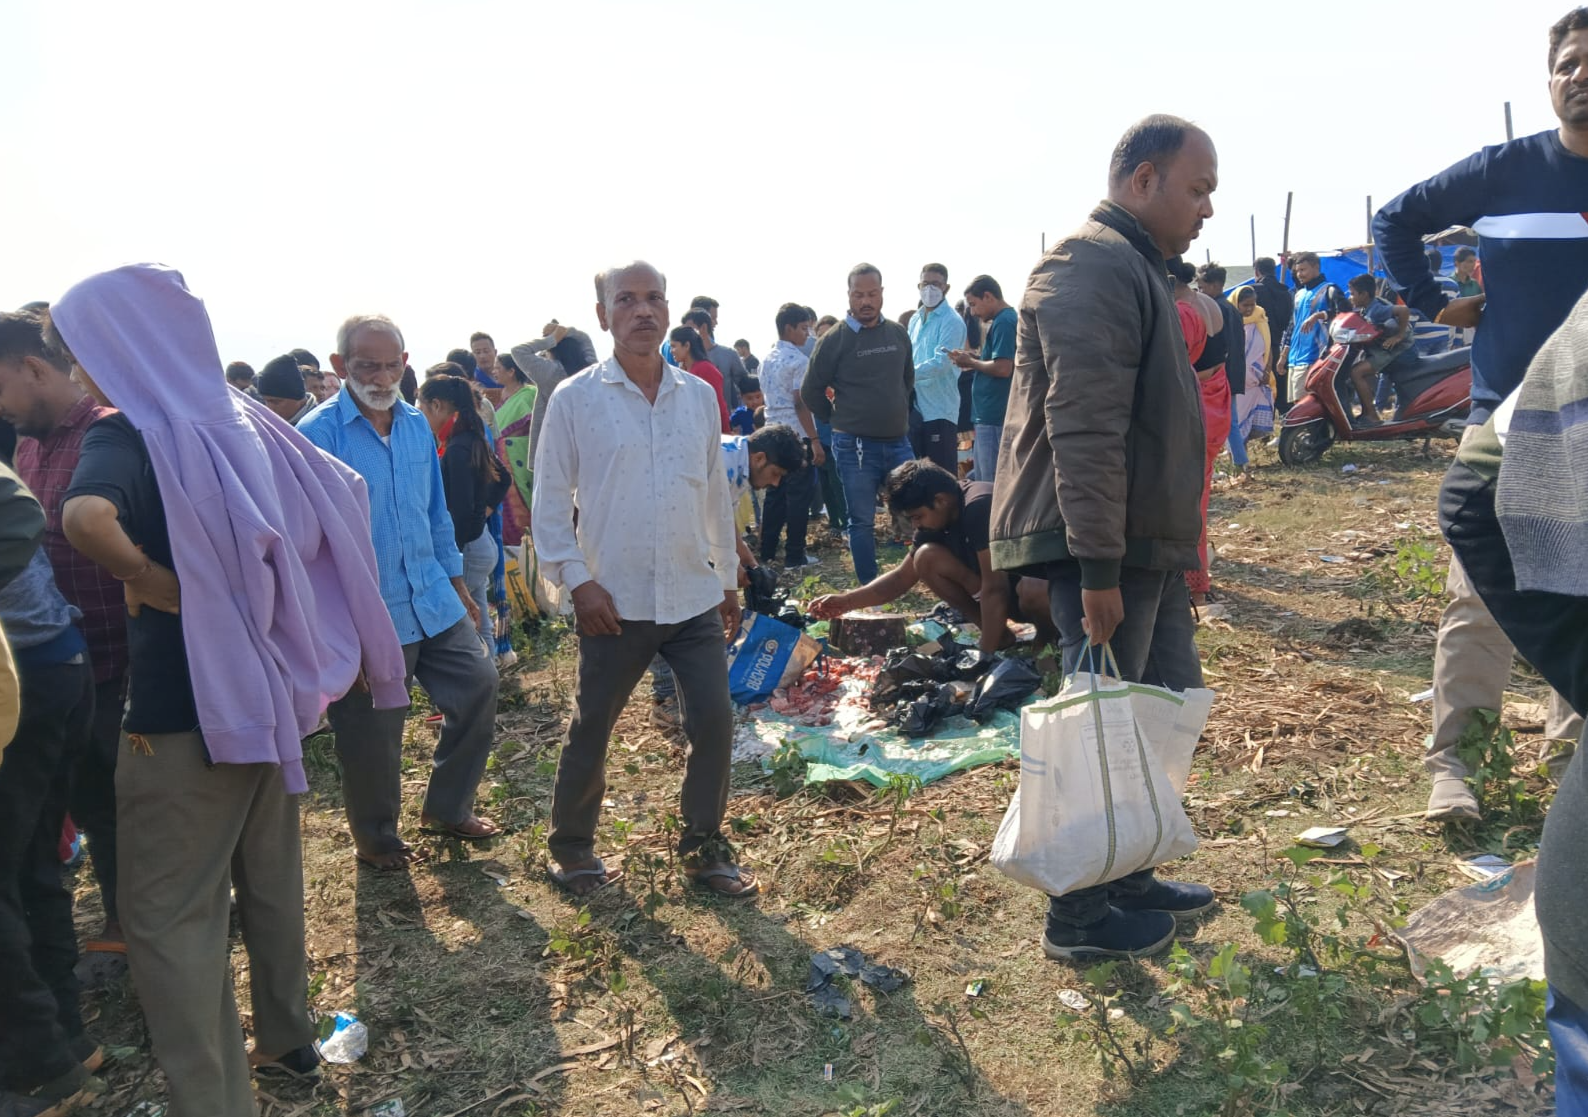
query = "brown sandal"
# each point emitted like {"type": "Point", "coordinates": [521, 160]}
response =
{"type": "Point", "coordinates": [584, 881]}
{"type": "Point", "coordinates": [707, 877]}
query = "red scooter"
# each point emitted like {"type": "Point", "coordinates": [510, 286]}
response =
{"type": "Point", "coordinates": [1432, 397]}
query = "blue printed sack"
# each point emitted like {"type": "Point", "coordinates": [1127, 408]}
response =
{"type": "Point", "coordinates": [767, 654]}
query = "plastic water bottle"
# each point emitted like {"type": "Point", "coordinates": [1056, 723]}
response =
{"type": "Point", "coordinates": [348, 1042]}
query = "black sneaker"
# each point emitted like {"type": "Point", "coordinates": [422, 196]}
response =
{"type": "Point", "coordinates": [53, 1099]}
{"type": "Point", "coordinates": [1176, 897]}
{"type": "Point", "coordinates": [1119, 934]}
{"type": "Point", "coordinates": [86, 1052]}
{"type": "Point", "coordinates": [300, 1063]}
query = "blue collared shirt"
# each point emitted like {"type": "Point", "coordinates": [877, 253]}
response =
{"type": "Point", "coordinates": [933, 334]}
{"type": "Point", "coordinates": [415, 546]}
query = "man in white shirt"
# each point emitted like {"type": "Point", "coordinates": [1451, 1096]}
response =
{"type": "Point", "coordinates": [651, 569]}
{"type": "Point", "coordinates": [789, 504]}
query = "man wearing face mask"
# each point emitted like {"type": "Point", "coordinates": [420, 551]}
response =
{"type": "Point", "coordinates": [866, 361]}
{"type": "Point", "coordinates": [1100, 485]}
{"type": "Point", "coordinates": [935, 332]}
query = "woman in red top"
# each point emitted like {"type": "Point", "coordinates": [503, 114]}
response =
{"type": "Point", "coordinates": [1197, 320]}
{"type": "Point", "coordinates": [690, 354]}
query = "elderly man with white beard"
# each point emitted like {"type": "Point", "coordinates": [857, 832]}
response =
{"type": "Point", "coordinates": [389, 443]}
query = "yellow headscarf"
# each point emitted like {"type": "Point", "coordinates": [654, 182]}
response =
{"type": "Point", "coordinates": [1258, 317]}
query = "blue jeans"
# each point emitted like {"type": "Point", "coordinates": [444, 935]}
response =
{"type": "Point", "coordinates": [1237, 447]}
{"type": "Point", "coordinates": [862, 464]}
{"type": "Point", "coordinates": [1155, 644]}
{"type": "Point", "coordinates": [479, 561]}
{"type": "Point", "coordinates": [1568, 1033]}
{"type": "Point", "coordinates": [985, 450]}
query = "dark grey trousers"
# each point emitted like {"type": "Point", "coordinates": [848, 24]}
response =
{"type": "Point", "coordinates": [461, 682]}
{"type": "Point", "coordinates": [1155, 644]}
{"type": "Point", "coordinates": [609, 669]}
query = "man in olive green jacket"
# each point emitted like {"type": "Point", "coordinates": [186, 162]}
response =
{"type": "Point", "coordinates": [1100, 481]}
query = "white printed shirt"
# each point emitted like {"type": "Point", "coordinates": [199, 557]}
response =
{"type": "Point", "coordinates": [655, 517]}
{"type": "Point", "coordinates": [782, 373]}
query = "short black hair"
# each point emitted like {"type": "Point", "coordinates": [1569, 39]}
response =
{"type": "Point", "coordinates": [240, 370]}
{"type": "Point", "coordinates": [781, 446]}
{"type": "Point", "coordinates": [1306, 258]}
{"type": "Point", "coordinates": [982, 286]}
{"type": "Point", "coordinates": [1213, 273]}
{"type": "Point", "coordinates": [695, 316]}
{"type": "Point", "coordinates": [1574, 20]}
{"type": "Point", "coordinates": [1466, 252]}
{"type": "Point", "coordinates": [861, 269]}
{"type": "Point", "coordinates": [742, 342]}
{"type": "Point", "coordinates": [22, 335]}
{"type": "Point", "coordinates": [938, 268]}
{"type": "Point", "coordinates": [481, 335]}
{"type": "Point", "coordinates": [789, 315]}
{"type": "Point", "coordinates": [704, 300]}
{"type": "Point", "coordinates": [916, 484]}
{"type": "Point", "coordinates": [1436, 258]}
{"type": "Point", "coordinates": [1264, 266]}
{"type": "Point", "coordinates": [749, 384]}
{"type": "Point", "coordinates": [1363, 282]}
{"type": "Point", "coordinates": [464, 360]}
{"type": "Point", "coordinates": [1182, 269]}
{"type": "Point", "coordinates": [810, 314]}
{"type": "Point", "coordinates": [1154, 139]}
{"type": "Point", "coordinates": [445, 368]}
{"type": "Point", "coordinates": [304, 357]}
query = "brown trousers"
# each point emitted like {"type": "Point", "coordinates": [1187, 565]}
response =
{"type": "Point", "coordinates": [188, 833]}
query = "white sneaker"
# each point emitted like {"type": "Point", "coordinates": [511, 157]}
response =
{"type": "Point", "coordinates": [507, 659]}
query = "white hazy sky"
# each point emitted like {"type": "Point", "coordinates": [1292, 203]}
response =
{"type": "Point", "coordinates": [470, 164]}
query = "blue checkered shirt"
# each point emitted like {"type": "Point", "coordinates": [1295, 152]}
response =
{"type": "Point", "coordinates": [414, 542]}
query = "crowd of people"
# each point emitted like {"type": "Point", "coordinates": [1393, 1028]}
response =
{"type": "Point", "coordinates": [337, 535]}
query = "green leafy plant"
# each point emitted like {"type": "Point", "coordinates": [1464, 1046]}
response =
{"type": "Point", "coordinates": [1417, 568]}
{"type": "Point", "coordinates": [1095, 1027]}
{"type": "Point", "coordinates": [787, 769]}
{"type": "Point", "coordinates": [1480, 1023]}
{"type": "Point", "coordinates": [1228, 1037]}
{"type": "Point", "coordinates": [1486, 748]}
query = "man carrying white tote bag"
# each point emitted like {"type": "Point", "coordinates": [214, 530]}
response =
{"type": "Point", "coordinates": [1100, 479]}
{"type": "Point", "coordinates": [1102, 769]}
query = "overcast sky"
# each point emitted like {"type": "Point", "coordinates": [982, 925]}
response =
{"type": "Point", "coordinates": [470, 165]}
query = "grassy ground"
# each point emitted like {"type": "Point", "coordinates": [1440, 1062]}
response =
{"type": "Point", "coordinates": [486, 991]}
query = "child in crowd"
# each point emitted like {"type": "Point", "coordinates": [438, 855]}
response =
{"type": "Point", "coordinates": [747, 416]}
{"type": "Point", "coordinates": [1392, 351]}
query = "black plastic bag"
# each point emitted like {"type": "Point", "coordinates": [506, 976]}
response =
{"type": "Point", "coordinates": [901, 669]}
{"type": "Point", "coordinates": [972, 663]}
{"type": "Point", "coordinates": [1004, 687]}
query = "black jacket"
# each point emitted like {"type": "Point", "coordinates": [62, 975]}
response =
{"type": "Point", "coordinates": [470, 497]}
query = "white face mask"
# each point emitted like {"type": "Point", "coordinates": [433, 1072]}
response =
{"type": "Point", "coordinates": [931, 296]}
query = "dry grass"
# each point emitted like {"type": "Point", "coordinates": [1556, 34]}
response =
{"type": "Point", "coordinates": [485, 994]}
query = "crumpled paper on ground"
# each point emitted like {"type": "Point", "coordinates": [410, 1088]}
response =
{"type": "Point", "coordinates": [1488, 926]}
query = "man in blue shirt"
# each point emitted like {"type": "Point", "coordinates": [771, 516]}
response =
{"type": "Point", "coordinates": [935, 332]}
{"type": "Point", "coordinates": [1308, 336]}
{"type": "Point", "coordinates": [1525, 200]}
{"type": "Point", "coordinates": [389, 444]}
{"type": "Point", "coordinates": [989, 392]}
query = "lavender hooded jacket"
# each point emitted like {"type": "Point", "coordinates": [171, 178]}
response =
{"type": "Point", "coordinates": [281, 603]}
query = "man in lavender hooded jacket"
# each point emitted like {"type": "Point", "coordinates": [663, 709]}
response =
{"type": "Point", "coordinates": [253, 601]}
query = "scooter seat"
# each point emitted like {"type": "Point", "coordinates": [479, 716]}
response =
{"type": "Point", "coordinates": [1442, 362]}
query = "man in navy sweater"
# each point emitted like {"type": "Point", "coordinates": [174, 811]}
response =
{"type": "Point", "coordinates": [1525, 199]}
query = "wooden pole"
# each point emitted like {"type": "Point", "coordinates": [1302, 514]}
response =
{"type": "Point", "coordinates": [1370, 233]}
{"type": "Point", "coordinates": [1254, 236]}
{"type": "Point", "coordinates": [1509, 135]}
{"type": "Point", "coordinates": [1284, 244]}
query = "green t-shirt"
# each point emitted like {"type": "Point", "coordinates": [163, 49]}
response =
{"type": "Point", "coordinates": [989, 395]}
